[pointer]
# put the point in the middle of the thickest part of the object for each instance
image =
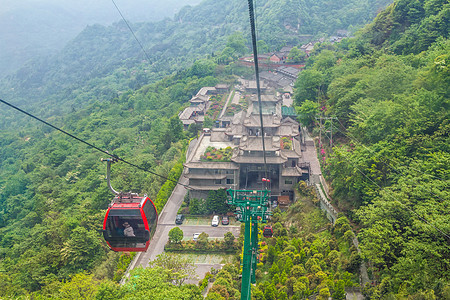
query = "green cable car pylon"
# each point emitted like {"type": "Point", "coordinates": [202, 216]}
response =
{"type": "Point", "coordinates": [252, 208]}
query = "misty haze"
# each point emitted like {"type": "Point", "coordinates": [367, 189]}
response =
{"type": "Point", "coordinates": [190, 151]}
{"type": "Point", "coordinates": [32, 28]}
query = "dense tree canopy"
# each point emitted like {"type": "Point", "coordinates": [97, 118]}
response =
{"type": "Point", "coordinates": [53, 193]}
{"type": "Point", "coordinates": [389, 90]}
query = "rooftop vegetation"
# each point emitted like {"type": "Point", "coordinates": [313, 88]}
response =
{"type": "Point", "coordinates": [214, 154]}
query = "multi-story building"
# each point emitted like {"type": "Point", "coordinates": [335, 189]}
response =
{"type": "Point", "coordinates": [246, 167]}
{"type": "Point", "coordinates": [199, 104]}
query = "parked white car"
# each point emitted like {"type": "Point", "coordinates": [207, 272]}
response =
{"type": "Point", "coordinates": [195, 236]}
{"type": "Point", "coordinates": [215, 221]}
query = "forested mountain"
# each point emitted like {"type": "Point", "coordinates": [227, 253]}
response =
{"type": "Point", "coordinates": [104, 60]}
{"type": "Point", "coordinates": [409, 26]}
{"type": "Point", "coordinates": [388, 87]}
{"type": "Point", "coordinates": [53, 191]}
{"type": "Point", "coordinates": [388, 92]}
{"type": "Point", "coordinates": [34, 28]}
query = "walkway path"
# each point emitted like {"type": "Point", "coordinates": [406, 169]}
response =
{"type": "Point", "coordinates": [236, 98]}
{"type": "Point", "coordinates": [224, 109]}
{"type": "Point", "coordinates": [310, 155]}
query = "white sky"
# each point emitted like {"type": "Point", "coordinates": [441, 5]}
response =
{"type": "Point", "coordinates": [99, 11]}
{"type": "Point", "coordinates": [34, 27]}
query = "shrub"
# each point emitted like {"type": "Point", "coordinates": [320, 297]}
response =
{"type": "Point", "coordinates": [175, 235]}
{"type": "Point", "coordinates": [348, 236]}
{"type": "Point", "coordinates": [214, 154]}
{"type": "Point", "coordinates": [229, 239]}
{"type": "Point", "coordinates": [324, 294]}
{"type": "Point", "coordinates": [167, 188]}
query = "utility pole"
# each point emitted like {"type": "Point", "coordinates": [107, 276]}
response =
{"type": "Point", "coordinates": [252, 208]}
{"type": "Point", "coordinates": [320, 131]}
{"type": "Point", "coordinates": [331, 139]}
{"type": "Point", "coordinates": [331, 128]}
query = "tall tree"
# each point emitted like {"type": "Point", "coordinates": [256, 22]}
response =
{"type": "Point", "coordinates": [178, 269]}
{"type": "Point", "coordinates": [157, 283]}
{"type": "Point", "coordinates": [236, 42]}
{"type": "Point", "coordinates": [310, 85]}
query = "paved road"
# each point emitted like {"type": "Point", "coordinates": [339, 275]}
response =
{"type": "Point", "coordinates": [166, 221]}
{"type": "Point", "coordinates": [310, 155]}
{"type": "Point", "coordinates": [236, 98]}
{"type": "Point", "coordinates": [167, 216]}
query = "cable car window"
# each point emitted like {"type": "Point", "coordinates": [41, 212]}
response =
{"type": "Point", "coordinates": [267, 232]}
{"type": "Point", "coordinates": [116, 225]}
{"type": "Point", "coordinates": [125, 212]}
{"type": "Point", "coordinates": [151, 214]}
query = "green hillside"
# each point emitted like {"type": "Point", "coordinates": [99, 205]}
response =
{"type": "Point", "coordinates": [105, 60]}
{"type": "Point", "coordinates": [388, 168]}
{"type": "Point", "coordinates": [388, 90]}
{"type": "Point", "coordinates": [54, 195]}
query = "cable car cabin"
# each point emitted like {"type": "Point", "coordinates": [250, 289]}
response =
{"type": "Point", "coordinates": [267, 231]}
{"type": "Point", "coordinates": [129, 223]}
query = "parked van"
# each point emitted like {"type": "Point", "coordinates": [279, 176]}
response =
{"type": "Point", "coordinates": [215, 221]}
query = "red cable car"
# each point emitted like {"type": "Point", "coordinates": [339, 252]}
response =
{"type": "Point", "coordinates": [130, 221]}
{"type": "Point", "coordinates": [267, 231]}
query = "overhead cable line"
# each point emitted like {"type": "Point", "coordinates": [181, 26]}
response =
{"type": "Point", "coordinates": [256, 20]}
{"type": "Point", "coordinates": [258, 88]}
{"type": "Point", "coordinates": [91, 145]}
{"type": "Point", "coordinates": [129, 27]}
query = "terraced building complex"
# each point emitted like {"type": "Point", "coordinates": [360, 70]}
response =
{"type": "Point", "coordinates": [231, 156]}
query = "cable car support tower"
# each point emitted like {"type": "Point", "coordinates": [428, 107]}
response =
{"type": "Point", "coordinates": [252, 208]}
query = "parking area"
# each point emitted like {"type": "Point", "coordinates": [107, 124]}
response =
{"type": "Point", "coordinates": [202, 221]}
{"type": "Point", "coordinates": [209, 258]}
{"type": "Point", "coordinates": [213, 232]}
{"type": "Point", "coordinates": [204, 263]}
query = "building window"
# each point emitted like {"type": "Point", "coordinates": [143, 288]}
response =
{"type": "Point", "coordinates": [288, 181]}
{"type": "Point", "coordinates": [218, 181]}
{"type": "Point", "coordinates": [216, 171]}
{"type": "Point", "coordinates": [230, 181]}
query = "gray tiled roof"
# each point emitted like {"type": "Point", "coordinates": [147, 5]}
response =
{"type": "Point", "coordinates": [200, 99]}
{"type": "Point", "coordinates": [205, 90]}
{"type": "Point", "coordinates": [206, 176]}
{"type": "Point", "coordinates": [236, 130]}
{"type": "Point", "coordinates": [208, 187]}
{"type": "Point", "coordinates": [291, 172]}
{"type": "Point", "coordinates": [212, 165]}
{"type": "Point", "coordinates": [288, 130]}
{"type": "Point", "coordinates": [268, 121]}
{"type": "Point", "coordinates": [291, 71]}
{"type": "Point", "coordinates": [254, 143]}
{"type": "Point", "coordinates": [259, 160]}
